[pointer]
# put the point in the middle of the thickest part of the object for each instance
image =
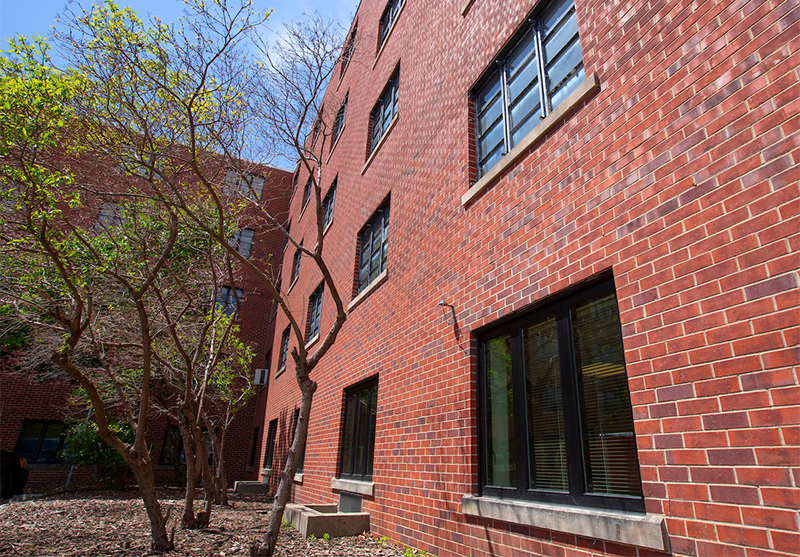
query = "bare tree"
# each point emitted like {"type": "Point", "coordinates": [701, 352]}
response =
{"type": "Point", "coordinates": [203, 98]}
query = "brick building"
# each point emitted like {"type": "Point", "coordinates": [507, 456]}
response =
{"type": "Point", "coordinates": [33, 410]}
{"type": "Point", "coordinates": [566, 232]}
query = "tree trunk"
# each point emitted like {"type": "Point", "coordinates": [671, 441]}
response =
{"type": "Point", "coordinates": [267, 548]}
{"type": "Point", "coordinates": [143, 472]}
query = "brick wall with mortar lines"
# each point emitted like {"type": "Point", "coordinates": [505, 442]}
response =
{"type": "Point", "coordinates": [680, 175]}
{"type": "Point", "coordinates": [22, 399]}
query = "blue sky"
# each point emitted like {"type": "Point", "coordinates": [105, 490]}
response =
{"type": "Point", "coordinates": [36, 17]}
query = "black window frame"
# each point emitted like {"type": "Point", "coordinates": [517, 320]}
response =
{"type": "Point", "coordinates": [378, 223]}
{"type": "Point", "coordinates": [577, 494]}
{"type": "Point", "coordinates": [388, 19]}
{"type": "Point", "coordinates": [384, 110]}
{"type": "Point", "coordinates": [254, 448]}
{"type": "Point", "coordinates": [535, 93]}
{"type": "Point", "coordinates": [366, 467]}
{"type": "Point", "coordinates": [339, 121]}
{"type": "Point", "coordinates": [269, 449]}
{"type": "Point", "coordinates": [328, 204]}
{"type": "Point", "coordinates": [284, 353]}
{"type": "Point", "coordinates": [298, 255]}
{"type": "Point", "coordinates": [315, 311]}
{"type": "Point", "coordinates": [245, 248]}
{"type": "Point", "coordinates": [35, 455]}
{"type": "Point", "coordinates": [229, 299]}
{"type": "Point", "coordinates": [307, 192]}
{"type": "Point", "coordinates": [347, 52]}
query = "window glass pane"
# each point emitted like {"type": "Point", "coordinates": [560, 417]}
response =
{"type": "Point", "coordinates": [373, 412]}
{"type": "Point", "coordinates": [555, 14]}
{"type": "Point", "coordinates": [522, 57]}
{"type": "Point", "coordinates": [349, 434]}
{"type": "Point", "coordinates": [29, 439]}
{"type": "Point", "coordinates": [361, 441]}
{"type": "Point", "coordinates": [51, 443]}
{"type": "Point", "coordinates": [609, 446]}
{"type": "Point", "coordinates": [501, 464]}
{"type": "Point", "coordinates": [546, 445]}
{"type": "Point", "coordinates": [557, 96]}
{"type": "Point", "coordinates": [525, 114]}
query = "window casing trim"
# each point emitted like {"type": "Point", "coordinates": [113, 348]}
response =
{"type": "Point", "coordinates": [583, 91]}
{"type": "Point", "coordinates": [574, 494]}
{"type": "Point", "coordinates": [636, 529]}
{"type": "Point", "coordinates": [368, 290]}
{"type": "Point", "coordinates": [389, 33]}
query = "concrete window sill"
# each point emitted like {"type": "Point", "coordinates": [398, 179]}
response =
{"type": "Point", "coordinates": [298, 478]}
{"type": "Point", "coordinates": [588, 87]}
{"type": "Point", "coordinates": [354, 486]}
{"type": "Point", "coordinates": [366, 292]}
{"type": "Point", "coordinates": [626, 528]}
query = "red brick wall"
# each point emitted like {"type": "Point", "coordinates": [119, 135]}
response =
{"type": "Point", "coordinates": [680, 176]}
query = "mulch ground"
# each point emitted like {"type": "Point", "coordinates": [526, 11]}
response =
{"type": "Point", "coordinates": [104, 523]}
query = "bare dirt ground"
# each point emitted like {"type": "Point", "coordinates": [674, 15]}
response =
{"type": "Point", "coordinates": [105, 523]}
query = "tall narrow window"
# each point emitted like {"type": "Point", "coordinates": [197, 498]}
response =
{"type": "Point", "coordinates": [388, 18]}
{"type": "Point", "coordinates": [374, 238]}
{"type": "Point", "coordinates": [556, 418]}
{"type": "Point", "coordinates": [228, 299]}
{"type": "Point", "coordinates": [269, 450]}
{"type": "Point", "coordinates": [530, 79]}
{"type": "Point", "coordinates": [349, 47]}
{"type": "Point", "coordinates": [358, 439]}
{"type": "Point", "coordinates": [284, 349]}
{"type": "Point", "coordinates": [40, 441]}
{"type": "Point", "coordinates": [327, 206]}
{"type": "Point", "coordinates": [307, 192]}
{"type": "Point", "coordinates": [242, 241]}
{"type": "Point", "coordinates": [296, 265]}
{"type": "Point", "coordinates": [315, 311]}
{"type": "Point", "coordinates": [338, 122]}
{"type": "Point", "coordinates": [384, 111]}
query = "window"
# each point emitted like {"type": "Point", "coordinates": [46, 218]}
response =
{"type": "Point", "coordinates": [535, 74]}
{"type": "Point", "coordinates": [245, 185]}
{"type": "Point", "coordinates": [228, 299]}
{"type": "Point", "coordinates": [315, 129]}
{"type": "Point", "coordinates": [242, 241]}
{"type": "Point", "coordinates": [347, 53]}
{"type": "Point", "coordinates": [110, 214]}
{"type": "Point", "coordinates": [307, 192]}
{"type": "Point", "coordinates": [40, 441]}
{"type": "Point", "coordinates": [556, 419]}
{"type": "Point", "coordinates": [373, 240]}
{"type": "Point", "coordinates": [315, 310]}
{"type": "Point", "coordinates": [327, 206]}
{"type": "Point", "coordinates": [172, 450]}
{"type": "Point", "coordinates": [338, 122]}
{"type": "Point", "coordinates": [296, 265]}
{"type": "Point", "coordinates": [269, 451]}
{"type": "Point", "coordinates": [358, 439]}
{"type": "Point", "coordinates": [284, 349]}
{"type": "Point", "coordinates": [384, 111]}
{"type": "Point", "coordinates": [388, 18]}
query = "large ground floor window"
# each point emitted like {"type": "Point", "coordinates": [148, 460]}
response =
{"type": "Point", "coordinates": [358, 440]}
{"type": "Point", "coordinates": [556, 420]}
{"type": "Point", "coordinates": [41, 441]}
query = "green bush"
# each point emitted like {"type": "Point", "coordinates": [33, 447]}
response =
{"type": "Point", "coordinates": [83, 448]}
